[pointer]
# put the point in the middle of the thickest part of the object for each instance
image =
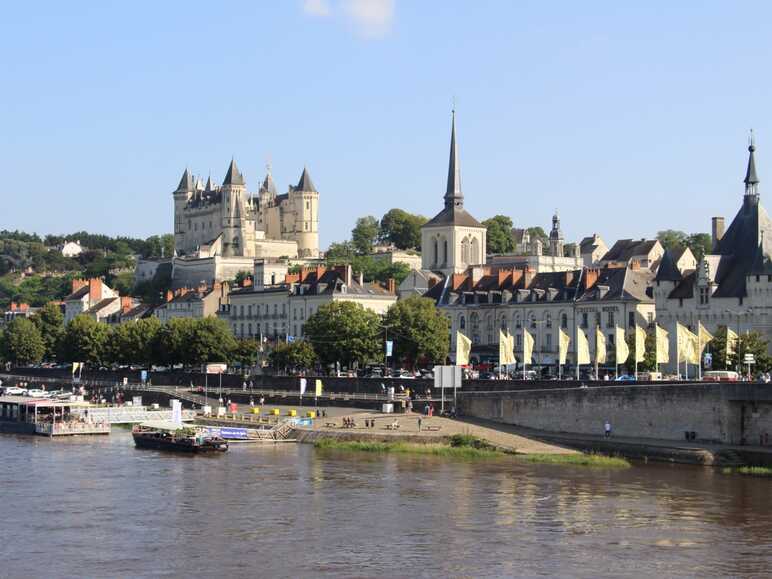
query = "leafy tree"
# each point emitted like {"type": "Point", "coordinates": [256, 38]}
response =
{"type": "Point", "coordinates": [85, 340]}
{"type": "Point", "coordinates": [241, 276]}
{"type": "Point", "coordinates": [700, 244]}
{"type": "Point", "coordinates": [133, 342]}
{"type": "Point", "coordinates": [538, 233]}
{"type": "Point", "coordinates": [298, 355]}
{"type": "Point", "coordinates": [749, 343]}
{"type": "Point", "coordinates": [50, 323]}
{"type": "Point", "coordinates": [211, 341]}
{"type": "Point", "coordinates": [379, 270]}
{"type": "Point", "coordinates": [649, 363]}
{"type": "Point", "coordinates": [672, 239]}
{"type": "Point", "coordinates": [419, 330]}
{"type": "Point", "coordinates": [245, 352]}
{"type": "Point", "coordinates": [23, 343]}
{"type": "Point", "coordinates": [365, 234]}
{"type": "Point", "coordinates": [499, 236]}
{"type": "Point", "coordinates": [172, 340]}
{"type": "Point", "coordinates": [340, 253]}
{"type": "Point", "coordinates": [344, 332]}
{"type": "Point", "coordinates": [402, 229]}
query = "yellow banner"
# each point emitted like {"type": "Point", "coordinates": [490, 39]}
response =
{"type": "Point", "coordinates": [506, 349]}
{"type": "Point", "coordinates": [687, 345]}
{"type": "Point", "coordinates": [565, 341]}
{"type": "Point", "coordinates": [600, 346]}
{"type": "Point", "coordinates": [318, 387]}
{"type": "Point", "coordinates": [463, 349]}
{"type": "Point", "coordinates": [640, 344]}
{"type": "Point", "coordinates": [582, 347]}
{"type": "Point", "coordinates": [731, 344]}
{"type": "Point", "coordinates": [705, 337]}
{"type": "Point", "coordinates": [622, 351]}
{"type": "Point", "coordinates": [527, 347]}
{"type": "Point", "coordinates": [663, 345]}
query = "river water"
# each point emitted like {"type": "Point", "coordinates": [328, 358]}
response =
{"type": "Point", "coordinates": [98, 507]}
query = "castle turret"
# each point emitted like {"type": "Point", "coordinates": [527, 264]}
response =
{"type": "Point", "coordinates": [238, 229]}
{"type": "Point", "coordinates": [304, 201]}
{"type": "Point", "coordinates": [182, 195]}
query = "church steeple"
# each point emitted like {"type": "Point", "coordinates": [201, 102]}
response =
{"type": "Point", "coordinates": [751, 179]}
{"type": "Point", "coordinates": [453, 195]}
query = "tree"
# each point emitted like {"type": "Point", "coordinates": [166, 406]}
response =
{"type": "Point", "coordinates": [749, 343]}
{"type": "Point", "coordinates": [171, 342]}
{"type": "Point", "coordinates": [344, 332]}
{"type": "Point", "coordinates": [672, 239]}
{"type": "Point", "coordinates": [23, 343]}
{"type": "Point", "coordinates": [133, 342]}
{"type": "Point", "coordinates": [241, 276]}
{"type": "Point", "coordinates": [538, 233]}
{"type": "Point", "coordinates": [340, 253]}
{"type": "Point", "coordinates": [245, 353]}
{"type": "Point", "coordinates": [649, 363]}
{"type": "Point", "coordinates": [402, 229]}
{"type": "Point", "coordinates": [298, 355]}
{"type": "Point", "coordinates": [700, 244]}
{"type": "Point", "coordinates": [211, 341]}
{"type": "Point", "coordinates": [50, 323]}
{"type": "Point", "coordinates": [365, 234]}
{"type": "Point", "coordinates": [421, 333]}
{"type": "Point", "coordinates": [499, 236]}
{"type": "Point", "coordinates": [85, 340]}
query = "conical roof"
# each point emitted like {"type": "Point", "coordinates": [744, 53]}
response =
{"type": "Point", "coordinates": [268, 185]}
{"type": "Point", "coordinates": [668, 271]}
{"type": "Point", "coordinates": [233, 176]}
{"type": "Point", "coordinates": [750, 174]}
{"type": "Point", "coordinates": [305, 183]}
{"type": "Point", "coordinates": [208, 188]}
{"type": "Point", "coordinates": [186, 183]}
{"type": "Point", "coordinates": [453, 194]}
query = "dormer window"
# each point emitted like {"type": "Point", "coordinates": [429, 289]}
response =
{"type": "Point", "coordinates": [704, 296]}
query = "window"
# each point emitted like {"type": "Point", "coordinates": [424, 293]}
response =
{"type": "Point", "coordinates": [585, 321]}
{"type": "Point", "coordinates": [610, 339]}
{"type": "Point", "coordinates": [435, 252]}
{"type": "Point", "coordinates": [249, 311]}
{"type": "Point", "coordinates": [630, 319]}
{"type": "Point", "coordinates": [517, 322]}
{"type": "Point", "coordinates": [564, 321]}
{"type": "Point", "coordinates": [548, 341]}
{"type": "Point", "coordinates": [474, 322]}
{"type": "Point", "coordinates": [548, 321]}
{"type": "Point", "coordinates": [462, 323]}
{"type": "Point", "coordinates": [611, 320]}
{"type": "Point", "coordinates": [504, 325]}
{"type": "Point", "coordinates": [275, 309]}
{"type": "Point", "coordinates": [705, 295]}
{"type": "Point", "coordinates": [650, 318]}
{"type": "Point", "coordinates": [445, 251]}
{"type": "Point", "coordinates": [533, 323]}
{"type": "Point", "coordinates": [489, 328]}
{"type": "Point", "coordinates": [519, 340]}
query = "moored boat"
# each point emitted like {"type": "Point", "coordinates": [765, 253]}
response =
{"type": "Point", "coordinates": [176, 437]}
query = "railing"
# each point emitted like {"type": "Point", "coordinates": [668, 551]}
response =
{"type": "Point", "coordinates": [65, 428]}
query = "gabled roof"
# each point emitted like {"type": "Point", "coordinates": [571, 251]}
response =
{"type": "Point", "coordinates": [233, 176]}
{"type": "Point", "coordinates": [454, 216]}
{"type": "Point", "coordinates": [305, 183]}
{"type": "Point", "coordinates": [77, 295]}
{"type": "Point", "coordinates": [627, 249]}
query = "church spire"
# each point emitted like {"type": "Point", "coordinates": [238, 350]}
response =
{"type": "Point", "coordinates": [751, 180]}
{"type": "Point", "coordinates": [453, 195]}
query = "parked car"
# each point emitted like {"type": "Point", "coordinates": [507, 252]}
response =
{"type": "Point", "coordinates": [14, 391]}
{"type": "Point", "coordinates": [38, 393]}
{"type": "Point", "coordinates": [626, 378]}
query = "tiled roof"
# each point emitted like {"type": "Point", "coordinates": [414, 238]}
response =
{"type": "Point", "coordinates": [627, 249]}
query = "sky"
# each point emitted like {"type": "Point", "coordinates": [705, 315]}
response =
{"type": "Point", "coordinates": [628, 118]}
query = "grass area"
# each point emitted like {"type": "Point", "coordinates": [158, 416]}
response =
{"type": "Point", "coordinates": [595, 460]}
{"type": "Point", "coordinates": [482, 450]}
{"type": "Point", "coordinates": [749, 470]}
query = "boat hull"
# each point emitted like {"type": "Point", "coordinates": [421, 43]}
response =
{"type": "Point", "coordinates": [142, 440]}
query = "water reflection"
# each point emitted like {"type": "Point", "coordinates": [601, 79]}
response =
{"type": "Point", "coordinates": [106, 509]}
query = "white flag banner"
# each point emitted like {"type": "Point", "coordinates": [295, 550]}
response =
{"type": "Point", "coordinates": [303, 385]}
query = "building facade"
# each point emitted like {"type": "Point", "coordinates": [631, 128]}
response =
{"type": "Point", "coordinates": [730, 287]}
{"type": "Point", "coordinates": [92, 297]}
{"type": "Point", "coordinates": [200, 302]}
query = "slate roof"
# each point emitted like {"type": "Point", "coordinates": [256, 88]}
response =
{"type": "Point", "coordinates": [186, 183]}
{"type": "Point", "coordinates": [233, 176]}
{"type": "Point", "coordinates": [627, 249]}
{"type": "Point", "coordinates": [453, 216]}
{"type": "Point", "coordinates": [305, 183]}
{"type": "Point", "coordinates": [268, 185]}
{"type": "Point", "coordinates": [667, 270]}
{"type": "Point", "coordinates": [100, 305]}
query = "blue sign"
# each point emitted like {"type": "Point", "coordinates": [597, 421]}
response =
{"type": "Point", "coordinates": [227, 432]}
{"type": "Point", "coordinates": [389, 348]}
{"type": "Point", "coordinates": [290, 339]}
{"type": "Point", "coordinates": [143, 376]}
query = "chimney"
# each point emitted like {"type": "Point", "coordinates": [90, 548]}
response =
{"type": "Point", "coordinates": [504, 274]}
{"type": "Point", "coordinates": [320, 271]}
{"type": "Point", "coordinates": [591, 277]}
{"type": "Point", "coordinates": [246, 282]}
{"type": "Point", "coordinates": [717, 230]}
{"type": "Point", "coordinates": [635, 264]}
{"type": "Point", "coordinates": [529, 274]}
{"type": "Point", "coordinates": [292, 278]}
{"type": "Point", "coordinates": [392, 286]}
{"type": "Point", "coordinates": [77, 284]}
{"type": "Point", "coordinates": [457, 281]}
{"type": "Point", "coordinates": [94, 290]}
{"type": "Point", "coordinates": [13, 306]}
{"type": "Point", "coordinates": [23, 307]}
{"type": "Point", "coordinates": [126, 303]}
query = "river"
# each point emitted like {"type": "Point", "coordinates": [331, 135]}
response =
{"type": "Point", "coordinates": [97, 507]}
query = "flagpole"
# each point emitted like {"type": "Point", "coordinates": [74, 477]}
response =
{"type": "Point", "coordinates": [699, 350]}
{"type": "Point", "coordinates": [523, 347]}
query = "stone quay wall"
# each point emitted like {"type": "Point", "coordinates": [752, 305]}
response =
{"type": "Point", "coordinates": [721, 413]}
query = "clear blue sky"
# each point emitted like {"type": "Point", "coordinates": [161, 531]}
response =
{"type": "Point", "coordinates": [627, 117]}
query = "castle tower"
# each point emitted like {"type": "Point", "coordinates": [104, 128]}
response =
{"type": "Point", "coordinates": [556, 237]}
{"type": "Point", "coordinates": [182, 195]}
{"type": "Point", "coordinates": [453, 240]}
{"type": "Point", "coordinates": [304, 205]}
{"type": "Point", "coordinates": [238, 227]}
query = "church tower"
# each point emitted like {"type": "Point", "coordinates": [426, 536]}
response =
{"type": "Point", "coordinates": [556, 237]}
{"type": "Point", "coordinates": [453, 240]}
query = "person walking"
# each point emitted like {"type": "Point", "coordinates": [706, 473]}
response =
{"type": "Point", "coordinates": [607, 429]}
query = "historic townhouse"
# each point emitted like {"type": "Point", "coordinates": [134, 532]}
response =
{"type": "Point", "coordinates": [732, 286]}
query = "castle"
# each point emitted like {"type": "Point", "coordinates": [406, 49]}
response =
{"type": "Point", "coordinates": [226, 221]}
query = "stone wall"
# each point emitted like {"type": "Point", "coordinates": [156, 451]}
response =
{"type": "Point", "coordinates": [715, 412]}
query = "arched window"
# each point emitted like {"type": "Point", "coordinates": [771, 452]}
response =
{"type": "Point", "coordinates": [462, 323]}
{"type": "Point", "coordinates": [436, 252]}
{"type": "Point", "coordinates": [517, 323]}
{"type": "Point", "coordinates": [445, 251]}
{"type": "Point", "coordinates": [504, 324]}
{"type": "Point", "coordinates": [474, 322]}
{"type": "Point", "coordinates": [465, 251]}
{"type": "Point", "coordinates": [489, 328]}
{"type": "Point", "coordinates": [548, 320]}
{"type": "Point", "coordinates": [475, 252]}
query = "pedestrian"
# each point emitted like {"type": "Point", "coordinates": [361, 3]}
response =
{"type": "Point", "coordinates": [262, 401]}
{"type": "Point", "coordinates": [607, 429]}
{"type": "Point", "coordinates": [244, 386]}
{"type": "Point", "coordinates": [426, 409]}
{"type": "Point", "coordinates": [419, 423]}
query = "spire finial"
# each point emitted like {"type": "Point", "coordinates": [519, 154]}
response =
{"type": "Point", "coordinates": [751, 179]}
{"type": "Point", "coordinates": [453, 195]}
